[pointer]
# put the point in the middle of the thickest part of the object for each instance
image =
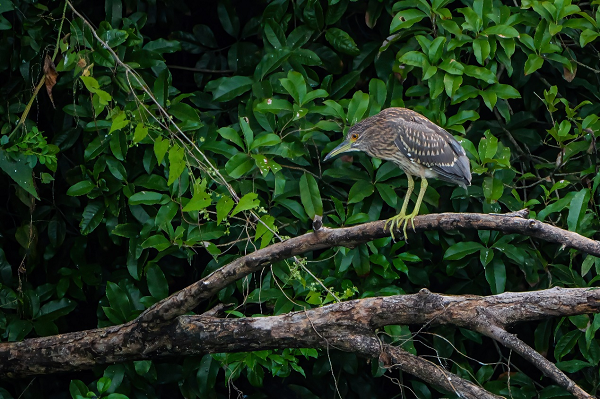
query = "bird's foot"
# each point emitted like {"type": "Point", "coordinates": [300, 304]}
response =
{"type": "Point", "coordinates": [400, 221]}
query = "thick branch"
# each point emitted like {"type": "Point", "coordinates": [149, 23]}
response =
{"type": "Point", "coordinates": [395, 357]}
{"type": "Point", "coordinates": [544, 365]}
{"type": "Point", "coordinates": [331, 325]}
{"type": "Point", "coordinates": [190, 297]}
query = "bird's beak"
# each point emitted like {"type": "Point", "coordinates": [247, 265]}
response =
{"type": "Point", "coordinates": [344, 147]}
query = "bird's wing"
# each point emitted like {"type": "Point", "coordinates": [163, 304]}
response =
{"type": "Point", "coordinates": [427, 144]}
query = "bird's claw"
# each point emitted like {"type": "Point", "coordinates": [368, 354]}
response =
{"type": "Point", "coordinates": [400, 222]}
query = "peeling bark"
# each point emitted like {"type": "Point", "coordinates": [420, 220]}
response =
{"type": "Point", "coordinates": [347, 326]}
{"type": "Point", "coordinates": [191, 296]}
{"type": "Point", "coordinates": [162, 331]}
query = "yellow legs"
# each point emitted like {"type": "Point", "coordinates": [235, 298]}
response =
{"type": "Point", "coordinates": [401, 220]}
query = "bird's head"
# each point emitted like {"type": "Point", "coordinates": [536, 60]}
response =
{"type": "Point", "coordinates": [352, 142]}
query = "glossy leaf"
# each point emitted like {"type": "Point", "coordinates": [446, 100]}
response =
{"type": "Point", "coordinates": [310, 196]}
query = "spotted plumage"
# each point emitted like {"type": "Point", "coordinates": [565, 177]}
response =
{"type": "Point", "coordinates": [416, 145]}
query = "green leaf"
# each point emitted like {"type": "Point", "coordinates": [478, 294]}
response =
{"type": "Point", "coordinates": [226, 89]}
{"type": "Point", "coordinates": [247, 131]}
{"type": "Point", "coordinates": [184, 112]}
{"type": "Point", "coordinates": [414, 58]}
{"type": "Point", "coordinates": [162, 46]}
{"type": "Point", "coordinates": [157, 241]}
{"type": "Point", "coordinates": [310, 196]}
{"type": "Point", "coordinates": [533, 63]}
{"type": "Point", "coordinates": [145, 198]}
{"type": "Point", "coordinates": [263, 140]}
{"type": "Point", "coordinates": [505, 91]}
{"type": "Point", "coordinates": [248, 201]}
{"type": "Point", "coordinates": [17, 167]}
{"type": "Point", "coordinates": [406, 18]}
{"type": "Point", "coordinates": [295, 86]}
{"type": "Point", "coordinates": [200, 200]}
{"type": "Point", "coordinates": [341, 41]}
{"type": "Point", "coordinates": [140, 133]}
{"type": "Point", "coordinates": [577, 208]}
{"type": "Point", "coordinates": [388, 194]}
{"type": "Point", "coordinates": [492, 189]}
{"type": "Point", "coordinates": [54, 309]}
{"type": "Point", "coordinates": [118, 300]}
{"type": "Point", "coordinates": [118, 122]}
{"type": "Point", "coordinates": [319, 93]}
{"type": "Point", "coordinates": [566, 343]}
{"type": "Point", "coordinates": [452, 83]}
{"type": "Point", "coordinates": [263, 230]}
{"type": "Point", "coordinates": [116, 168]}
{"type": "Point", "coordinates": [480, 73]}
{"type": "Point", "coordinates": [462, 249]}
{"type": "Point", "coordinates": [157, 283]}
{"type": "Point", "coordinates": [503, 31]}
{"type": "Point", "coordinates": [224, 205]}
{"type": "Point", "coordinates": [231, 135]}
{"type": "Point", "coordinates": [161, 147]}
{"type": "Point", "coordinates": [357, 107]}
{"type": "Point", "coordinates": [573, 366]}
{"type": "Point", "coordinates": [81, 188]}
{"type": "Point", "coordinates": [165, 214]}
{"type": "Point", "coordinates": [489, 98]}
{"type": "Point", "coordinates": [91, 217]}
{"type": "Point", "coordinates": [90, 83]}
{"type": "Point", "coordinates": [313, 14]}
{"type": "Point", "coordinates": [495, 274]}
{"type": "Point", "coordinates": [360, 190]}
{"type": "Point", "coordinates": [461, 117]}
{"type": "Point", "coordinates": [176, 163]}
{"type": "Point", "coordinates": [486, 255]}
{"type": "Point", "coordinates": [239, 165]}
{"type": "Point", "coordinates": [436, 49]}
{"type": "Point", "coordinates": [587, 36]}
{"type": "Point", "coordinates": [129, 230]}
{"type": "Point", "coordinates": [481, 49]}
{"type": "Point", "coordinates": [77, 387]}
{"type": "Point", "coordinates": [228, 17]}
{"type": "Point", "coordinates": [275, 105]}
{"type": "Point", "coordinates": [452, 66]}
{"type": "Point", "coordinates": [377, 91]}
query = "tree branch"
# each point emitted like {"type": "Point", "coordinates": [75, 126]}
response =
{"type": "Point", "coordinates": [396, 357]}
{"type": "Point", "coordinates": [544, 365]}
{"type": "Point", "coordinates": [191, 296]}
{"type": "Point", "coordinates": [348, 326]}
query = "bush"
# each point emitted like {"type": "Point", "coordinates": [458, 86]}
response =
{"type": "Point", "coordinates": [179, 136]}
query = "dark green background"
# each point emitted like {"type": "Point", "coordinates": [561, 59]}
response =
{"type": "Point", "coordinates": [280, 84]}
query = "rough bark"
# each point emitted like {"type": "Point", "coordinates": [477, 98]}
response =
{"type": "Point", "coordinates": [191, 296]}
{"type": "Point", "coordinates": [347, 326]}
{"type": "Point", "coordinates": [162, 331]}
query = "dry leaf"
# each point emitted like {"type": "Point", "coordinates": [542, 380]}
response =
{"type": "Point", "coordinates": [51, 75]}
{"type": "Point", "coordinates": [568, 75]}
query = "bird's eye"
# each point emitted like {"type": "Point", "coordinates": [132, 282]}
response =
{"type": "Point", "coordinates": [354, 136]}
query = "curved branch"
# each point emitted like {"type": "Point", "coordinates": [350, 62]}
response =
{"type": "Point", "coordinates": [544, 365]}
{"type": "Point", "coordinates": [191, 296]}
{"type": "Point", "coordinates": [342, 325]}
{"type": "Point", "coordinates": [396, 357]}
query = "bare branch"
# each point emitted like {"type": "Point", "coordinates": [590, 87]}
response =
{"type": "Point", "coordinates": [395, 357]}
{"type": "Point", "coordinates": [544, 365]}
{"type": "Point", "coordinates": [336, 326]}
{"type": "Point", "coordinates": [191, 296]}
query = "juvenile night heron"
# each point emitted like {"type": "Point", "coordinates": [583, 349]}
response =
{"type": "Point", "coordinates": [414, 143]}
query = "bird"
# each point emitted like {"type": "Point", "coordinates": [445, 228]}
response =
{"type": "Point", "coordinates": [415, 144]}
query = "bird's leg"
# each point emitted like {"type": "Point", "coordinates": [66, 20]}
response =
{"type": "Point", "coordinates": [400, 219]}
{"type": "Point", "coordinates": [415, 212]}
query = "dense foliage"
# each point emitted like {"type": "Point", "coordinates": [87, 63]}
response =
{"type": "Point", "coordinates": [148, 175]}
